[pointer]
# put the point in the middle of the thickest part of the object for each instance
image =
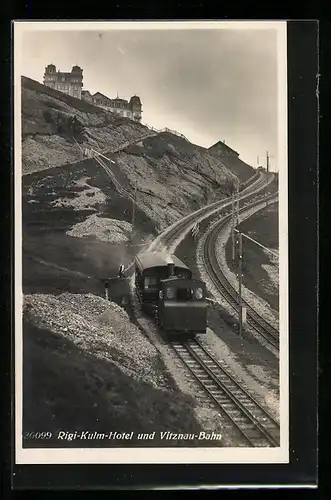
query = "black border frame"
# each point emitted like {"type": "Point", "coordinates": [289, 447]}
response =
{"type": "Point", "coordinates": [303, 247]}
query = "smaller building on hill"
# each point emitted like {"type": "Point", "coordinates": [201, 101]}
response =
{"type": "Point", "coordinates": [129, 109]}
{"type": "Point", "coordinates": [223, 149]}
{"type": "Point", "coordinates": [70, 83]}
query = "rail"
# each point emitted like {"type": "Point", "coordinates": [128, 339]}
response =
{"type": "Point", "coordinates": [249, 181]}
{"type": "Point", "coordinates": [167, 239]}
{"type": "Point", "coordinates": [226, 289]}
{"type": "Point", "coordinates": [253, 422]}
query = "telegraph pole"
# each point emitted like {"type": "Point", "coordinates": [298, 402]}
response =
{"type": "Point", "coordinates": [232, 224]}
{"type": "Point", "coordinates": [242, 312]}
{"type": "Point", "coordinates": [240, 270]}
{"type": "Point", "coordinates": [237, 210]}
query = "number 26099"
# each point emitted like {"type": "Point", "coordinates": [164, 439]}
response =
{"type": "Point", "coordinates": [37, 435]}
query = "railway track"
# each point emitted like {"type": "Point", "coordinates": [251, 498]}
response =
{"type": "Point", "coordinates": [222, 284]}
{"type": "Point", "coordinates": [167, 239]}
{"type": "Point", "coordinates": [254, 423]}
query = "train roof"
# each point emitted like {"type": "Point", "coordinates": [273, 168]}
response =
{"type": "Point", "coordinates": [147, 260]}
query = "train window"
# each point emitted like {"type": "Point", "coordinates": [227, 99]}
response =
{"type": "Point", "coordinates": [198, 293]}
{"type": "Point", "coordinates": [150, 282]}
{"type": "Point", "coordinates": [170, 293]}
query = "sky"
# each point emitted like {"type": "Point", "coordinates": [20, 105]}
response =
{"type": "Point", "coordinates": [209, 85]}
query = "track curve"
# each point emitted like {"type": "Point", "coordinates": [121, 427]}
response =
{"type": "Point", "coordinates": [167, 240]}
{"type": "Point", "coordinates": [222, 284]}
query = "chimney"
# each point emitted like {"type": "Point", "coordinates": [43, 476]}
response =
{"type": "Point", "coordinates": [171, 269]}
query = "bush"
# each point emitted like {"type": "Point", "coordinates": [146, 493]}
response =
{"type": "Point", "coordinates": [69, 126]}
{"type": "Point", "coordinates": [48, 116]}
{"type": "Point", "coordinates": [228, 187]}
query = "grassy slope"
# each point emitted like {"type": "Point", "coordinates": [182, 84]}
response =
{"type": "Point", "coordinates": [85, 107]}
{"type": "Point", "coordinates": [45, 144]}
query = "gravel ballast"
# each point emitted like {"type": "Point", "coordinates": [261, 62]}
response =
{"type": "Point", "coordinates": [84, 200]}
{"type": "Point", "coordinates": [109, 230]}
{"type": "Point", "coordinates": [100, 327]}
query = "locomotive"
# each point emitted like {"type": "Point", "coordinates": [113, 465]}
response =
{"type": "Point", "coordinates": [166, 290]}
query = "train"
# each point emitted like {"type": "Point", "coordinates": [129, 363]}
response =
{"type": "Point", "coordinates": [167, 291]}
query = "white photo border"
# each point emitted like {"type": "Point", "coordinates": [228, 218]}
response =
{"type": "Point", "coordinates": [157, 455]}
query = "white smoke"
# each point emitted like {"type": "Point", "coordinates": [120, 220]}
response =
{"type": "Point", "coordinates": [167, 257]}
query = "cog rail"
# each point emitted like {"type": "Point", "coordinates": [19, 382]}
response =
{"type": "Point", "coordinates": [252, 421]}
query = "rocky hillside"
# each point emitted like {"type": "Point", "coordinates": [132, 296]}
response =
{"type": "Point", "coordinates": [53, 123]}
{"type": "Point", "coordinates": [172, 176]}
{"type": "Point", "coordinates": [241, 169]}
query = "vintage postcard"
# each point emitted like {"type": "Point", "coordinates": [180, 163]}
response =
{"type": "Point", "coordinates": [151, 292]}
